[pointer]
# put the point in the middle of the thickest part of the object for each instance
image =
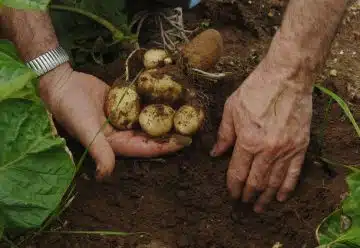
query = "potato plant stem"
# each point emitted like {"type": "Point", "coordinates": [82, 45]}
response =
{"type": "Point", "coordinates": [117, 34]}
{"type": "Point", "coordinates": [342, 104]}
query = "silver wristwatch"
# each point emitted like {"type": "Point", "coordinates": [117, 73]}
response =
{"type": "Point", "coordinates": [48, 61]}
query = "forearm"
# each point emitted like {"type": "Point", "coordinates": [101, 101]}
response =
{"type": "Point", "coordinates": [33, 34]}
{"type": "Point", "coordinates": [306, 34]}
{"type": "Point", "coordinates": [31, 31]}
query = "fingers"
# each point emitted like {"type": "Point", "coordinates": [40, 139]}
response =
{"type": "Point", "coordinates": [276, 178]}
{"type": "Point", "coordinates": [258, 176]}
{"type": "Point", "coordinates": [135, 145]}
{"type": "Point", "coordinates": [238, 170]}
{"type": "Point", "coordinates": [264, 199]}
{"type": "Point", "coordinates": [291, 178]}
{"type": "Point", "coordinates": [226, 134]}
{"type": "Point", "coordinates": [103, 155]}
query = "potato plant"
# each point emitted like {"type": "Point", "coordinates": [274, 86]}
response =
{"type": "Point", "coordinates": [163, 99]}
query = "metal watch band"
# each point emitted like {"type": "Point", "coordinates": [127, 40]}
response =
{"type": "Point", "coordinates": [48, 61]}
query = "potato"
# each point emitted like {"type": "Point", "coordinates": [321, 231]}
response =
{"type": "Point", "coordinates": [122, 107]}
{"type": "Point", "coordinates": [203, 51]}
{"type": "Point", "coordinates": [157, 119]}
{"type": "Point", "coordinates": [188, 119]}
{"type": "Point", "coordinates": [154, 57]}
{"type": "Point", "coordinates": [158, 87]}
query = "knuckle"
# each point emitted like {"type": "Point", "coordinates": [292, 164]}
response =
{"type": "Point", "coordinates": [259, 187]}
{"type": "Point", "coordinates": [275, 183]}
{"type": "Point", "coordinates": [256, 185]}
{"type": "Point", "coordinates": [236, 175]}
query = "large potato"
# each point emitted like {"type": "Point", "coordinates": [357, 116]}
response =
{"type": "Point", "coordinates": [204, 51]}
{"type": "Point", "coordinates": [188, 119]}
{"type": "Point", "coordinates": [159, 87]}
{"type": "Point", "coordinates": [122, 107]}
{"type": "Point", "coordinates": [157, 119]}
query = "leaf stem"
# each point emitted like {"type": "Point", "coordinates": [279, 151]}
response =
{"type": "Point", "coordinates": [117, 34]}
{"type": "Point", "coordinates": [342, 104]}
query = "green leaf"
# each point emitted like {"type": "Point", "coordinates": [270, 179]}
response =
{"type": "Point", "coordinates": [6, 47]}
{"type": "Point", "coordinates": [351, 205]}
{"type": "Point", "coordinates": [342, 228]}
{"type": "Point", "coordinates": [15, 77]}
{"type": "Point", "coordinates": [26, 4]}
{"type": "Point", "coordinates": [329, 229]}
{"type": "Point", "coordinates": [112, 10]}
{"type": "Point", "coordinates": [342, 104]}
{"type": "Point", "coordinates": [35, 169]}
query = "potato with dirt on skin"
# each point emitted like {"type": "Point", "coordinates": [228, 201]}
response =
{"type": "Point", "coordinates": [122, 107]}
{"type": "Point", "coordinates": [159, 87]}
{"type": "Point", "coordinates": [204, 50]}
{"type": "Point", "coordinates": [157, 119]}
{"type": "Point", "coordinates": [156, 57]}
{"type": "Point", "coordinates": [188, 119]}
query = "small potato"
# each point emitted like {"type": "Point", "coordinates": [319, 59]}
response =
{"type": "Point", "coordinates": [122, 107]}
{"type": "Point", "coordinates": [157, 119]}
{"type": "Point", "coordinates": [204, 51]}
{"type": "Point", "coordinates": [159, 87]}
{"type": "Point", "coordinates": [188, 119]}
{"type": "Point", "coordinates": [154, 57]}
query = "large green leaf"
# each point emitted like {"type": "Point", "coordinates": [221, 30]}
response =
{"type": "Point", "coordinates": [26, 4]}
{"type": "Point", "coordinates": [35, 169]}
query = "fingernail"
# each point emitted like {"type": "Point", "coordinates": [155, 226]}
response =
{"type": "Point", "coordinates": [258, 209]}
{"type": "Point", "coordinates": [213, 152]}
{"type": "Point", "coordinates": [282, 197]}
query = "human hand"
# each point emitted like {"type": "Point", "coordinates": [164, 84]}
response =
{"type": "Point", "coordinates": [76, 101]}
{"type": "Point", "coordinates": [268, 120]}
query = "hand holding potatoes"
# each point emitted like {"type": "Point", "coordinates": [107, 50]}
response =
{"type": "Point", "coordinates": [76, 101]}
{"type": "Point", "coordinates": [162, 99]}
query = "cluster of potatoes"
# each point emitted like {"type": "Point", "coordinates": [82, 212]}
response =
{"type": "Point", "coordinates": [162, 99]}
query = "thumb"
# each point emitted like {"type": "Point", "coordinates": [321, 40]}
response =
{"type": "Point", "coordinates": [104, 156]}
{"type": "Point", "coordinates": [226, 134]}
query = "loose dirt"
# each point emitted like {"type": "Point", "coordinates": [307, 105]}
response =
{"type": "Point", "coordinates": [182, 200]}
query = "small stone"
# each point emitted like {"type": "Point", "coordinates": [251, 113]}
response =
{"type": "Point", "coordinates": [333, 73]}
{"type": "Point", "coordinates": [85, 176]}
{"type": "Point", "coordinates": [277, 245]}
{"type": "Point", "coordinates": [341, 52]}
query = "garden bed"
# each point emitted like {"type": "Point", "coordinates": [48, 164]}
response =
{"type": "Point", "coordinates": [182, 200]}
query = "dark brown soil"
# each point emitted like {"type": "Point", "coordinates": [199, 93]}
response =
{"type": "Point", "coordinates": [183, 201]}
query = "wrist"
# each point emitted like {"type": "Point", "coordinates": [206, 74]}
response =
{"type": "Point", "coordinates": [297, 65]}
{"type": "Point", "coordinates": [54, 80]}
